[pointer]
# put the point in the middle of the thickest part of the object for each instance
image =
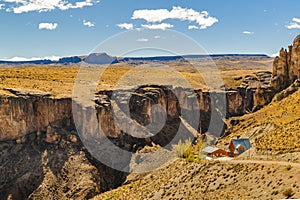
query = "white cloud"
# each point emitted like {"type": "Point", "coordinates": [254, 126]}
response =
{"type": "Point", "coordinates": [53, 58]}
{"type": "Point", "coordinates": [88, 24]}
{"type": "Point", "coordinates": [274, 55]}
{"type": "Point", "coordinates": [127, 26]}
{"type": "Point", "coordinates": [2, 6]}
{"type": "Point", "coordinates": [21, 6]}
{"type": "Point", "coordinates": [22, 59]}
{"type": "Point", "coordinates": [142, 40]}
{"type": "Point", "coordinates": [297, 20]}
{"type": "Point", "coordinates": [295, 24]}
{"type": "Point", "coordinates": [193, 27]}
{"type": "Point", "coordinates": [248, 33]}
{"type": "Point", "coordinates": [48, 26]}
{"type": "Point", "coordinates": [201, 18]}
{"type": "Point", "coordinates": [162, 26]}
{"type": "Point", "coordinates": [157, 37]}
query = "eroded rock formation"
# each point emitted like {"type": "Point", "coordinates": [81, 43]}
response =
{"type": "Point", "coordinates": [286, 70]}
{"type": "Point", "coordinates": [286, 66]}
{"type": "Point", "coordinates": [25, 113]}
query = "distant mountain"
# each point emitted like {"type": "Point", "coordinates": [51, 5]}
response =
{"type": "Point", "coordinates": [100, 58]}
{"type": "Point", "coordinates": [32, 62]}
{"type": "Point", "coordinates": [103, 58]}
{"type": "Point", "coordinates": [67, 60]}
{"type": "Point", "coordinates": [170, 58]}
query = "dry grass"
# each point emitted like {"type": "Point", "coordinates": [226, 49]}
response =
{"type": "Point", "coordinates": [211, 180]}
{"type": "Point", "coordinates": [273, 129]}
{"type": "Point", "coordinates": [59, 80]}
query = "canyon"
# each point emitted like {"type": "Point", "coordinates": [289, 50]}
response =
{"type": "Point", "coordinates": [43, 138]}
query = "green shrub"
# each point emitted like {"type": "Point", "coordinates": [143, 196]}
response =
{"type": "Point", "coordinates": [191, 158]}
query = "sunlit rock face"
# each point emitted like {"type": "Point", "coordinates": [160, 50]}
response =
{"type": "Point", "coordinates": [25, 113]}
{"type": "Point", "coordinates": [286, 66]}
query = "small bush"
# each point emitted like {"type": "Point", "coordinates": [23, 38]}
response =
{"type": "Point", "coordinates": [184, 150]}
{"type": "Point", "coordinates": [288, 167]}
{"type": "Point", "coordinates": [288, 193]}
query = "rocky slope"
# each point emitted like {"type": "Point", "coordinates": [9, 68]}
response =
{"type": "Point", "coordinates": [212, 180]}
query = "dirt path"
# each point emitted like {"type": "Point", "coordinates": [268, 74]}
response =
{"type": "Point", "coordinates": [261, 162]}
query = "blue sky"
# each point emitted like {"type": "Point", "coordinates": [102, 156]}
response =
{"type": "Point", "coordinates": [41, 28]}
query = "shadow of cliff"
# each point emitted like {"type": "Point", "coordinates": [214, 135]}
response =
{"type": "Point", "coordinates": [26, 166]}
{"type": "Point", "coordinates": [21, 168]}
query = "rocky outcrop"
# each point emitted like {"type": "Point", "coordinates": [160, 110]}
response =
{"type": "Point", "coordinates": [286, 70]}
{"type": "Point", "coordinates": [286, 66]}
{"type": "Point", "coordinates": [288, 91]}
{"type": "Point", "coordinates": [254, 92]}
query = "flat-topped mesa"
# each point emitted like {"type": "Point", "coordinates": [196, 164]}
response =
{"type": "Point", "coordinates": [286, 66]}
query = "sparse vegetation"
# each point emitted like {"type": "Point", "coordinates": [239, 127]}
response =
{"type": "Point", "coordinates": [189, 151]}
{"type": "Point", "coordinates": [184, 149]}
{"type": "Point", "coordinates": [288, 167]}
{"type": "Point", "coordinates": [273, 130]}
{"type": "Point", "coordinates": [59, 80]}
{"type": "Point", "coordinates": [288, 193]}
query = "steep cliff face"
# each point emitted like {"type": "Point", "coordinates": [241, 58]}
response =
{"type": "Point", "coordinates": [25, 113]}
{"type": "Point", "coordinates": [286, 66]}
{"type": "Point", "coordinates": [286, 70]}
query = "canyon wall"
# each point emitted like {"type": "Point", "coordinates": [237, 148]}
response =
{"type": "Point", "coordinates": [24, 113]}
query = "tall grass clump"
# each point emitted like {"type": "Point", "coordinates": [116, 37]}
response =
{"type": "Point", "coordinates": [184, 149]}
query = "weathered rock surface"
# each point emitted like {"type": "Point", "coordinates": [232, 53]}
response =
{"type": "Point", "coordinates": [36, 169]}
{"type": "Point", "coordinates": [25, 113]}
{"type": "Point", "coordinates": [286, 70]}
{"type": "Point", "coordinates": [286, 66]}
